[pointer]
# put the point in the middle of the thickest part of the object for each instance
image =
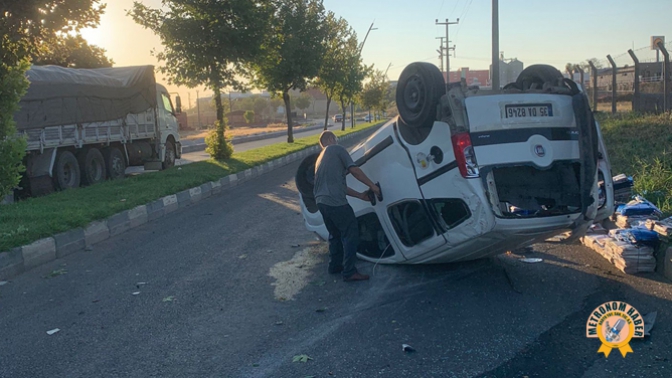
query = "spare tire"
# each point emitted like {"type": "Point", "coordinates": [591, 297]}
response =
{"type": "Point", "coordinates": [419, 91]}
{"type": "Point", "coordinates": [539, 74]}
{"type": "Point", "coordinates": [305, 181]}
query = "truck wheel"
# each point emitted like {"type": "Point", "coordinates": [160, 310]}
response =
{"type": "Point", "coordinates": [92, 166]}
{"type": "Point", "coordinates": [66, 170]}
{"type": "Point", "coordinates": [419, 91]}
{"type": "Point", "coordinates": [169, 159]}
{"type": "Point", "coordinates": [115, 163]}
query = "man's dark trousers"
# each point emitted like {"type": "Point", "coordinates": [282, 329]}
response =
{"type": "Point", "coordinates": [343, 237]}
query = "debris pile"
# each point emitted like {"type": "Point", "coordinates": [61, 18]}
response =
{"type": "Point", "coordinates": [640, 234]}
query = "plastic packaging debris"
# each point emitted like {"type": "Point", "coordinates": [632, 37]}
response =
{"type": "Point", "coordinates": [597, 228]}
{"type": "Point", "coordinates": [635, 210]}
{"type": "Point", "coordinates": [3, 283]}
{"type": "Point", "coordinates": [407, 348]}
{"type": "Point", "coordinates": [532, 260]}
{"type": "Point", "coordinates": [636, 236]}
{"type": "Point", "coordinates": [622, 188]}
{"type": "Point", "coordinates": [649, 321]}
{"type": "Point", "coordinates": [136, 293]}
{"type": "Point", "coordinates": [662, 227]}
{"type": "Point", "coordinates": [51, 332]}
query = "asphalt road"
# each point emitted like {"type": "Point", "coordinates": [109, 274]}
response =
{"type": "Point", "coordinates": [209, 307]}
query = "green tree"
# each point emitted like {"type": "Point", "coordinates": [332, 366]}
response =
{"type": "Point", "coordinates": [355, 72]}
{"type": "Point", "coordinates": [249, 116]}
{"type": "Point", "coordinates": [375, 91]}
{"type": "Point", "coordinates": [207, 43]}
{"type": "Point", "coordinates": [332, 71]}
{"type": "Point", "coordinates": [292, 52]}
{"type": "Point", "coordinates": [260, 105]}
{"type": "Point", "coordinates": [24, 25]}
{"type": "Point", "coordinates": [71, 51]}
{"type": "Point", "coordinates": [304, 101]}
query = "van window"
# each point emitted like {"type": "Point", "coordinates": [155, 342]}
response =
{"type": "Point", "coordinates": [372, 239]}
{"type": "Point", "coordinates": [451, 211]}
{"type": "Point", "coordinates": [166, 103]}
{"type": "Point", "coordinates": [411, 222]}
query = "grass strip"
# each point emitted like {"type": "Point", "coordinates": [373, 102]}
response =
{"type": "Point", "coordinates": [30, 220]}
{"type": "Point", "coordinates": [639, 146]}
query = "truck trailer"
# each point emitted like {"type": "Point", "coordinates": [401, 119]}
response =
{"type": "Point", "coordinates": [83, 126]}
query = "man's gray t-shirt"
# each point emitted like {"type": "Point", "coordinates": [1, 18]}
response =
{"type": "Point", "coordinates": [330, 170]}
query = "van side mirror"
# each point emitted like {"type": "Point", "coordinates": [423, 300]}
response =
{"type": "Point", "coordinates": [178, 104]}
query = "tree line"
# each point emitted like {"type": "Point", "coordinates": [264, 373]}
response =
{"type": "Point", "coordinates": [277, 45]}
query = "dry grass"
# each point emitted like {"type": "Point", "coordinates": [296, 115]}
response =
{"type": "Point", "coordinates": [623, 106]}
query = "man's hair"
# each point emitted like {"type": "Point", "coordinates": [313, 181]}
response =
{"type": "Point", "coordinates": [326, 135]}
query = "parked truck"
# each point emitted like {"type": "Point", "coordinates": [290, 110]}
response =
{"type": "Point", "coordinates": [84, 126]}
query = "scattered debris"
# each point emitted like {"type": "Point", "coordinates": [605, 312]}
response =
{"type": "Point", "coordinates": [122, 200]}
{"type": "Point", "coordinates": [296, 245]}
{"type": "Point", "coordinates": [321, 309]}
{"type": "Point", "coordinates": [140, 284]}
{"type": "Point", "coordinates": [279, 322]}
{"type": "Point", "coordinates": [532, 260]}
{"type": "Point", "coordinates": [407, 348]}
{"type": "Point", "coordinates": [95, 300]}
{"type": "Point", "coordinates": [649, 321]}
{"type": "Point", "coordinates": [301, 358]}
{"type": "Point", "coordinates": [136, 293]}
{"type": "Point", "coordinates": [242, 257]}
{"type": "Point", "coordinates": [293, 275]}
{"type": "Point", "coordinates": [270, 251]}
{"type": "Point", "coordinates": [255, 365]}
{"type": "Point", "coordinates": [51, 332]}
{"type": "Point", "coordinates": [56, 273]}
{"type": "Point", "coordinates": [169, 298]}
{"type": "Point", "coordinates": [3, 283]}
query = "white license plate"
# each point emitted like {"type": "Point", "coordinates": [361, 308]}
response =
{"type": "Point", "coordinates": [528, 111]}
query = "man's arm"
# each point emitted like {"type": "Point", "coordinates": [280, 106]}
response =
{"type": "Point", "coordinates": [364, 179]}
{"type": "Point", "coordinates": [353, 193]}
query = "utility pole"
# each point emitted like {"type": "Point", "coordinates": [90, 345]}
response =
{"type": "Point", "coordinates": [440, 51]}
{"type": "Point", "coordinates": [198, 106]}
{"type": "Point", "coordinates": [447, 23]}
{"type": "Point", "coordinates": [495, 45]}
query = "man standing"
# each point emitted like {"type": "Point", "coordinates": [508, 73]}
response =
{"type": "Point", "coordinates": [331, 168]}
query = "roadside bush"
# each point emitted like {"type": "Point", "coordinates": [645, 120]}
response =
{"type": "Point", "coordinates": [13, 85]}
{"type": "Point", "coordinates": [249, 116]}
{"type": "Point", "coordinates": [638, 145]}
{"type": "Point", "coordinates": [217, 146]}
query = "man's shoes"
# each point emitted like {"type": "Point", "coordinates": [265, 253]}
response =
{"type": "Point", "coordinates": [335, 270]}
{"type": "Point", "coordinates": [356, 277]}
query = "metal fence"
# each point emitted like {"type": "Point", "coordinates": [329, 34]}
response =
{"type": "Point", "coordinates": [644, 85]}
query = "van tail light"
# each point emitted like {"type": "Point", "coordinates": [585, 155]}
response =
{"type": "Point", "coordinates": [465, 156]}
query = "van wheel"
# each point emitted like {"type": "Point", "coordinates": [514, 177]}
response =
{"type": "Point", "coordinates": [419, 91]}
{"type": "Point", "coordinates": [67, 173]}
{"type": "Point", "coordinates": [92, 166]}
{"type": "Point", "coordinates": [169, 159]}
{"type": "Point", "coordinates": [539, 74]}
{"type": "Point", "coordinates": [115, 163]}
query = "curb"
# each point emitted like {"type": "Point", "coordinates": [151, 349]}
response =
{"type": "Point", "coordinates": [250, 138]}
{"type": "Point", "coordinates": [24, 258]}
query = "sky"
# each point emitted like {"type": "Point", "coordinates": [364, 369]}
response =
{"type": "Point", "coordinates": [540, 31]}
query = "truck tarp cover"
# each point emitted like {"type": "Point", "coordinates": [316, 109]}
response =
{"type": "Point", "coordinates": [66, 96]}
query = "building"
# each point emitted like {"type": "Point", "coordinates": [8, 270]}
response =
{"type": "Point", "coordinates": [475, 77]}
{"type": "Point", "coordinates": [509, 70]}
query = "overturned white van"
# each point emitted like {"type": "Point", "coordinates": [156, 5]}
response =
{"type": "Point", "coordinates": [467, 173]}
